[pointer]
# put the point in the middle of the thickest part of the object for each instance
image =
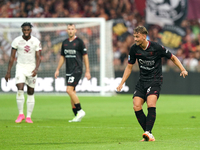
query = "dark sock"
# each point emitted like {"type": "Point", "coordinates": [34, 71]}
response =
{"type": "Point", "coordinates": [74, 110]}
{"type": "Point", "coordinates": [151, 117]}
{"type": "Point", "coordinates": [78, 106]}
{"type": "Point", "coordinates": [141, 117]}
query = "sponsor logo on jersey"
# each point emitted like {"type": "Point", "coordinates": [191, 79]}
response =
{"type": "Point", "coordinates": [70, 51]}
{"type": "Point", "coordinates": [21, 43]}
{"type": "Point", "coordinates": [146, 62]}
{"type": "Point", "coordinates": [138, 54]}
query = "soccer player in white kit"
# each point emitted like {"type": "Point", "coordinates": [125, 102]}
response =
{"type": "Point", "coordinates": [28, 49]}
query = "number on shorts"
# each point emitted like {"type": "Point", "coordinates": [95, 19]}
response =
{"type": "Point", "coordinates": [71, 79]}
{"type": "Point", "coordinates": [148, 90]}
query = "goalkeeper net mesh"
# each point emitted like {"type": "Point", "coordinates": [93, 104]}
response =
{"type": "Point", "coordinates": [51, 33]}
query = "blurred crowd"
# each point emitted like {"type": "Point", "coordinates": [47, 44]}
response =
{"type": "Point", "coordinates": [123, 11]}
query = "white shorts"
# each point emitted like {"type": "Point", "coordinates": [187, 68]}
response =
{"type": "Point", "coordinates": [24, 75]}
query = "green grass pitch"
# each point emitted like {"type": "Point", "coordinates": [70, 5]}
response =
{"type": "Point", "coordinates": [109, 124]}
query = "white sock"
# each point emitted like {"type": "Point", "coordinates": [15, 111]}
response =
{"type": "Point", "coordinates": [30, 105]}
{"type": "Point", "coordinates": [20, 101]}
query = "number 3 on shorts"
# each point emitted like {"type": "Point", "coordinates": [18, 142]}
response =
{"type": "Point", "coordinates": [71, 80]}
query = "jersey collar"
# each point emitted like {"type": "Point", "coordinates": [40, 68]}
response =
{"type": "Point", "coordinates": [73, 39]}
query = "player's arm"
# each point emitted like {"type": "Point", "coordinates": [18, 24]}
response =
{"type": "Point", "coordinates": [87, 67]}
{"type": "Point", "coordinates": [38, 61]}
{"type": "Point", "coordinates": [11, 61]}
{"type": "Point", "coordinates": [176, 61]}
{"type": "Point", "coordinates": [126, 74]}
{"type": "Point", "coordinates": [60, 63]}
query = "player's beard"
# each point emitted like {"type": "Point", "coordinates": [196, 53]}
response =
{"type": "Point", "coordinates": [71, 35]}
{"type": "Point", "coordinates": [26, 36]}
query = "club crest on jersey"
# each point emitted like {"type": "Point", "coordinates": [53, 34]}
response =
{"type": "Point", "coordinates": [27, 48]}
{"type": "Point", "coordinates": [74, 44]}
{"type": "Point", "coordinates": [150, 53]}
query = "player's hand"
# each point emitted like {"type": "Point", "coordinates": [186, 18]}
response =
{"type": "Point", "coordinates": [184, 73]}
{"type": "Point", "coordinates": [87, 75]}
{"type": "Point", "coordinates": [56, 74]}
{"type": "Point", "coordinates": [7, 77]}
{"type": "Point", "coordinates": [34, 72]}
{"type": "Point", "coordinates": [119, 88]}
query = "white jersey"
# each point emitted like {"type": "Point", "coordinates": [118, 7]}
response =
{"type": "Point", "coordinates": [26, 50]}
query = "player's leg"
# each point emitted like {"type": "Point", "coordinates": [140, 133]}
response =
{"type": "Point", "coordinates": [20, 80]}
{"type": "Point", "coordinates": [30, 82]}
{"type": "Point", "coordinates": [20, 102]}
{"type": "Point", "coordinates": [76, 102]}
{"type": "Point", "coordinates": [30, 103]}
{"type": "Point", "coordinates": [72, 81]}
{"type": "Point", "coordinates": [137, 106]}
{"type": "Point", "coordinates": [152, 96]}
{"type": "Point", "coordinates": [151, 117]}
{"type": "Point", "coordinates": [73, 107]}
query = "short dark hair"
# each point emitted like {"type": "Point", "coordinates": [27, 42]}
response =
{"type": "Point", "coordinates": [71, 24]}
{"type": "Point", "coordinates": [26, 24]}
{"type": "Point", "coordinates": [141, 29]}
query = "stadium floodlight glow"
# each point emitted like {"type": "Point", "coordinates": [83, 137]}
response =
{"type": "Point", "coordinates": [96, 34]}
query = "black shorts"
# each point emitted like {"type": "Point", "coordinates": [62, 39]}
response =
{"type": "Point", "coordinates": [144, 89]}
{"type": "Point", "coordinates": [73, 79]}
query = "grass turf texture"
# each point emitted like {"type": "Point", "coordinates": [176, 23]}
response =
{"type": "Point", "coordinates": [109, 124]}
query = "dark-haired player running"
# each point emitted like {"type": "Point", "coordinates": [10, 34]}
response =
{"type": "Point", "coordinates": [148, 55]}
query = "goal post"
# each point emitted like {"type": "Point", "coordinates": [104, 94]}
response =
{"type": "Point", "coordinates": [96, 34]}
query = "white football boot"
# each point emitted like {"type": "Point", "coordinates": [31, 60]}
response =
{"type": "Point", "coordinates": [80, 114]}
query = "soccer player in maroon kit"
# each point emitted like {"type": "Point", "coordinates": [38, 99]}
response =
{"type": "Point", "coordinates": [148, 55]}
{"type": "Point", "coordinates": [73, 51]}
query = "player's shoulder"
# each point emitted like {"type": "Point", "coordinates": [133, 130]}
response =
{"type": "Point", "coordinates": [155, 44]}
{"type": "Point", "coordinates": [133, 46]}
{"type": "Point", "coordinates": [66, 40]}
{"type": "Point", "coordinates": [34, 38]}
{"type": "Point", "coordinates": [18, 38]}
{"type": "Point", "coordinates": [79, 39]}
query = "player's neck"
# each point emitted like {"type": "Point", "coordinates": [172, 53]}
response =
{"type": "Point", "coordinates": [26, 37]}
{"type": "Point", "coordinates": [72, 38]}
{"type": "Point", "coordinates": [144, 45]}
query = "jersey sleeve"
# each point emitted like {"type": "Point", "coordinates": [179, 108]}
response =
{"type": "Point", "coordinates": [62, 50]}
{"type": "Point", "coordinates": [15, 44]}
{"type": "Point", "coordinates": [83, 48]}
{"type": "Point", "coordinates": [38, 46]}
{"type": "Point", "coordinates": [164, 52]}
{"type": "Point", "coordinates": [131, 56]}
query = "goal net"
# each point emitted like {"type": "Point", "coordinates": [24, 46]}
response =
{"type": "Point", "coordinates": [97, 36]}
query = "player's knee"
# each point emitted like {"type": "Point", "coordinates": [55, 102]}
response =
{"type": "Point", "coordinates": [20, 94]}
{"type": "Point", "coordinates": [137, 107]}
{"type": "Point", "coordinates": [69, 91]}
{"type": "Point", "coordinates": [151, 105]}
{"type": "Point", "coordinates": [30, 92]}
